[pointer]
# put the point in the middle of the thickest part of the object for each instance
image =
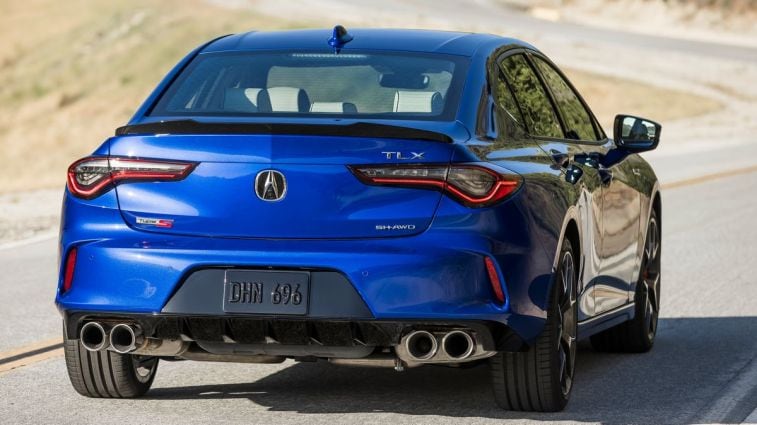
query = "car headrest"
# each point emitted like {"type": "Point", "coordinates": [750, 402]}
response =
{"type": "Point", "coordinates": [334, 107]}
{"type": "Point", "coordinates": [246, 100]}
{"type": "Point", "coordinates": [418, 101]}
{"type": "Point", "coordinates": [288, 99]}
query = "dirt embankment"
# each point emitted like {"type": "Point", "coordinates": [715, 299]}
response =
{"type": "Point", "coordinates": [73, 71]}
{"type": "Point", "coordinates": [726, 21]}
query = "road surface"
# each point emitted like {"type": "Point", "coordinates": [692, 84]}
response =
{"type": "Point", "coordinates": [702, 369]}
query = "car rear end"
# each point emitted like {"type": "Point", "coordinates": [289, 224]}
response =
{"type": "Point", "coordinates": [299, 204]}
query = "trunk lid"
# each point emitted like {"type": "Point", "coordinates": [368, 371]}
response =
{"type": "Point", "coordinates": [321, 197]}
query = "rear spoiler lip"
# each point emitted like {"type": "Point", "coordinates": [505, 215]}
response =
{"type": "Point", "coordinates": [358, 129]}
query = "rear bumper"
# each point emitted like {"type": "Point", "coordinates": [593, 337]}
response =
{"type": "Point", "coordinates": [394, 280]}
{"type": "Point", "coordinates": [244, 330]}
{"type": "Point", "coordinates": [437, 276]}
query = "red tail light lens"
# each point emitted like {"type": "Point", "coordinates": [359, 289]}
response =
{"type": "Point", "coordinates": [90, 177]}
{"type": "Point", "coordinates": [68, 271]}
{"type": "Point", "coordinates": [472, 185]}
{"type": "Point", "coordinates": [499, 294]}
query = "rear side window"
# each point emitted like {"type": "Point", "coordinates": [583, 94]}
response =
{"type": "Point", "coordinates": [577, 119]}
{"type": "Point", "coordinates": [366, 85]}
{"type": "Point", "coordinates": [537, 110]}
{"type": "Point", "coordinates": [505, 99]}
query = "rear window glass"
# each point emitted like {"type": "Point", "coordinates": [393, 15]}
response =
{"type": "Point", "coordinates": [365, 85]}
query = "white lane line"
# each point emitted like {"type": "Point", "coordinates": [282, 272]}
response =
{"type": "Point", "coordinates": [737, 399]}
{"type": "Point", "coordinates": [752, 418]}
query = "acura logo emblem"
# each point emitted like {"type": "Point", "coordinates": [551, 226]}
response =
{"type": "Point", "coordinates": [270, 185]}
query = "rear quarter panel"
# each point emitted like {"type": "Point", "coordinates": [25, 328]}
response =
{"type": "Point", "coordinates": [546, 203]}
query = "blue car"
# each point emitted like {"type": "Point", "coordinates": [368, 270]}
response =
{"type": "Point", "coordinates": [371, 197]}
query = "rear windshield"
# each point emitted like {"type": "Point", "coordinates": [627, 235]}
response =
{"type": "Point", "coordinates": [360, 85]}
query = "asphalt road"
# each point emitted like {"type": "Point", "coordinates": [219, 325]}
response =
{"type": "Point", "coordinates": [489, 16]}
{"type": "Point", "coordinates": [702, 369]}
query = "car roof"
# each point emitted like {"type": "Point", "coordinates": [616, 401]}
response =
{"type": "Point", "coordinates": [430, 41]}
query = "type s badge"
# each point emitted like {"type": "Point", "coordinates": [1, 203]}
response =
{"type": "Point", "coordinates": [165, 223]}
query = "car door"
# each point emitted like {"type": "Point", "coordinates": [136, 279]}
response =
{"type": "Point", "coordinates": [544, 124]}
{"type": "Point", "coordinates": [617, 200]}
{"type": "Point", "coordinates": [620, 236]}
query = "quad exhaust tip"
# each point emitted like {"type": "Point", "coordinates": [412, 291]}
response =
{"type": "Point", "coordinates": [93, 336]}
{"type": "Point", "coordinates": [421, 345]}
{"type": "Point", "coordinates": [123, 338]}
{"type": "Point", "coordinates": [458, 345]}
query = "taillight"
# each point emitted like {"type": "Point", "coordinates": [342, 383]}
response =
{"type": "Point", "coordinates": [471, 185]}
{"type": "Point", "coordinates": [68, 271]}
{"type": "Point", "coordinates": [90, 177]}
{"type": "Point", "coordinates": [491, 270]}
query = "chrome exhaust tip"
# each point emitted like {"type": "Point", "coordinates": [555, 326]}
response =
{"type": "Point", "coordinates": [458, 345]}
{"type": "Point", "coordinates": [93, 337]}
{"type": "Point", "coordinates": [123, 338]}
{"type": "Point", "coordinates": [421, 345]}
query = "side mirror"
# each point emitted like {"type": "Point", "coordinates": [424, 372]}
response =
{"type": "Point", "coordinates": [634, 134]}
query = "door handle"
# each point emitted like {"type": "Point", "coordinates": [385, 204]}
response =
{"type": "Point", "coordinates": [573, 173]}
{"type": "Point", "coordinates": [590, 160]}
{"type": "Point", "coordinates": [560, 158]}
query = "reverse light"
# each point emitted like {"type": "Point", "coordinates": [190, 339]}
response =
{"type": "Point", "coordinates": [472, 185]}
{"type": "Point", "coordinates": [92, 176]}
{"type": "Point", "coordinates": [491, 270]}
{"type": "Point", "coordinates": [68, 271]}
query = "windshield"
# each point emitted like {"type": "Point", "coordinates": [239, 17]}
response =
{"type": "Point", "coordinates": [359, 85]}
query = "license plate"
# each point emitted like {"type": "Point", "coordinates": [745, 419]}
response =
{"type": "Point", "coordinates": [266, 292]}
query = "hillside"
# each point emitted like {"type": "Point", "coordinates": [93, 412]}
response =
{"type": "Point", "coordinates": [70, 72]}
{"type": "Point", "coordinates": [729, 21]}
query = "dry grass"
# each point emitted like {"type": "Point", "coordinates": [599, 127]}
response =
{"type": "Point", "coordinates": [70, 72]}
{"type": "Point", "coordinates": [608, 96]}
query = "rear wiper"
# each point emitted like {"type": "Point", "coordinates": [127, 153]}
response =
{"type": "Point", "coordinates": [357, 129]}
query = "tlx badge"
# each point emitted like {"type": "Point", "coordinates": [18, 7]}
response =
{"type": "Point", "coordinates": [403, 156]}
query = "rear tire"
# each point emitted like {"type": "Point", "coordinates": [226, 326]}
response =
{"type": "Point", "coordinates": [638, 335]}
{"type": "Point", "coordinates": [106, 374]}
{"type": "Point", "coordinates": [541, 379]}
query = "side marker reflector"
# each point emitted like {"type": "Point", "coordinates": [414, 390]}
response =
{"type": "Point", "coordinates": [68, 275]}
{"type": "Point", "coordinates": [491, 269]}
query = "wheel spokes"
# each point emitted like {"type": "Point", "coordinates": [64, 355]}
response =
{"type": "Point", "coordinates": [567, 355]}
{"type": "Point", "coordinates": [649, 313]}
{"type": "Point", "coordinates": [569, 347]}
{"type": "Point", "coordinates": [652, 245]}
{"type": "Point", "coordinates": [650, 287]}
{"type": "Point", "coordinates": [144, 365]}
{"type": "Point", "coordinates": [567, 276]}
{"type": "Point", "coordinates": [652, 283]}
{"type": "Point", "coordinates": [650, 277]}
{"type": "Point", "coordinates": [566, 341]}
